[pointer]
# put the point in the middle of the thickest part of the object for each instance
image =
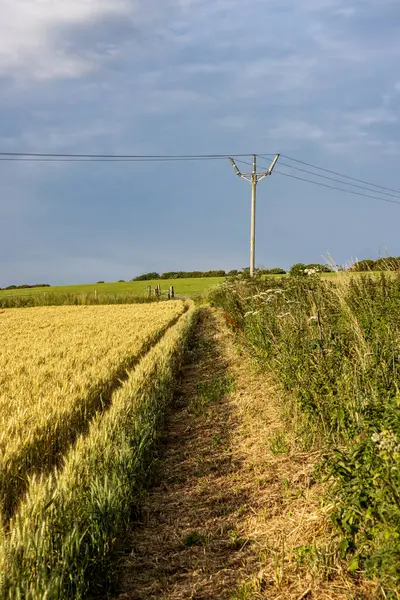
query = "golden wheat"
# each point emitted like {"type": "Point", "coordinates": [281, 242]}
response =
{"type": "Point", "coordinates": [68, 522]}
{"type": "Point", "coordinates": [58, 366]}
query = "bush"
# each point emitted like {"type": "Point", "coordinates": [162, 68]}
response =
{"type": "Point", "coordinates": [275, 271]}
{"type": "Point", "coordinates": [298, 270]}
{"type": "Point", "coordinates": [363, 265]}
{"type": "Point", "coordinates": [320, 268]}
{"type": "Point", "coordinates": [147, 277]}
{"type": "Point", "coordinates": [390, 263]}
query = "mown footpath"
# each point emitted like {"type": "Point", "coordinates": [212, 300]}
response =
{"type": "Point", "coordinates": [235, 510]}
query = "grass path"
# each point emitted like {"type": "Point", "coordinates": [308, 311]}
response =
{"type": "Point", "coordinates": [232, 497]}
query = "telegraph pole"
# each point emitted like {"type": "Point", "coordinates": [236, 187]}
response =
{"type": "Point", "coordinates": [254, 178]}
{"type": "Point", "coordinates": [254, 182]}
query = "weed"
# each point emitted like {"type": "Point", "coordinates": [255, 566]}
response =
{"type": "Point", "coordinates": [335, 348]}
{"type": "Point", "coordinates": [194, 539]}
{"type": "Point", "coordinates": [217, 440]}
{"type": "Point", "coordinates": [278, 444]}
{"type": "Point", "coordinates": [211, 392]}
{"type": "Point", "coordinates": [236, 541]}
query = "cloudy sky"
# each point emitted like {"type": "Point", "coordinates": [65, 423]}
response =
{"type": "Point", "coordinates": [317, 80]}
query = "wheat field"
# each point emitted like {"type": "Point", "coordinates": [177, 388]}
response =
{"type": "Point", "coordinates": [62, 534]}
{"type": "Point", "coordinates": [58, 367]}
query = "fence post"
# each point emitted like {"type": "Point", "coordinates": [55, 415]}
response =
{"type": "Point", "coordinates": [172, 292]}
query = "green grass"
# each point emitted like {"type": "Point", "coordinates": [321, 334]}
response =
{"type": "Point", "coordinates": [183, 287]}
{"type": "Point", "coordinates": [335, 350]}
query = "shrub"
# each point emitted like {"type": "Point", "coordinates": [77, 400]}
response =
{"type": "Point", "coordinates": [147, 277]}
{"type": "Point", "coordinates": [276, 271]}
{"type": "Point", "coordinates": [363, 265]}
{"type": "Point", "coordinates": [390, 263]}
{"type": "Point", "coordinates": [298, 270]}
{"type": "Point", "coordinates": [320, 268]}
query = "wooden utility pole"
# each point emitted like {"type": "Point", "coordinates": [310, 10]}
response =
{"type": "Point", "coordinates": [254, 178]}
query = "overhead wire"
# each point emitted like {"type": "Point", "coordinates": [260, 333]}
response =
{"type": "Point", "coordinates": [109, 160]}
{"type": "Point", "coordinates": [334, 173]}
{"type": "Point", "coordinates": [332, 187]}
{"type": "Point", "coordinates": [325, 184]}
{"type": "Point", "coordinates": [82, 158]}
{"type": "Point", "coordinates": [361, 187]}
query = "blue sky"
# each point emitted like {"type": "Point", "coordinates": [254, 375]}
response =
{"type": "Point", "coordinates": [317, 80]}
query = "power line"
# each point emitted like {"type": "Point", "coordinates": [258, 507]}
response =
{"type": "Point", "coordinates": [133, 157]}
{"type": "Point", "coordinates": [339, 174]}
{"type": "Point", "coordinates": [337, 188]}
{"type": "Point", "coordinates": [82, 158]}
{"type": "Point", "coordinates": [361, 187]}
{"type": "Point", "coordinates": [328, 178]}
{"type": "Point", "coordinates": [244, 161]}
{"type": "Point", "coordinates": [109, 160]}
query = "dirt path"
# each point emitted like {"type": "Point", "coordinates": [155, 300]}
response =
{"type": "Point", "coordinates": [232, 499]}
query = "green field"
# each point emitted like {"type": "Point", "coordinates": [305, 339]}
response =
{"type": "Point", "coordinates": [183, 287]}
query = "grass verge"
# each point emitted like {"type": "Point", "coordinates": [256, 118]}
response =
{"type": "Point", "coordinates": [335, 351]}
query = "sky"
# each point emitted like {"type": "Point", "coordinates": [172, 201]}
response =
{"type": "Point", "coordinates": [317, 80]}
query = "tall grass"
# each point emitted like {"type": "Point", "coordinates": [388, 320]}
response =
{"type": "Point", "coordinates": [336, 350]}
{"type": "Point", "coordinates": [62, 540]}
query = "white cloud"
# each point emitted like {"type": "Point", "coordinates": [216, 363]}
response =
{"type": "Point", "coordinates": [34, 41]}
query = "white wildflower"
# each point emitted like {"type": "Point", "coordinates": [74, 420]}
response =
{"type": "Point", "coordinates": [387, 441]}
{"type": "Point", "coordinates": [311, 271]}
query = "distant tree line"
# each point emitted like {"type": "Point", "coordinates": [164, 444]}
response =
{"type": "Point", "coordinates": [195, 274]}
{"type": "Point", "coordinates": [25, 286]}
{"type": "Point", "coordinates": [390, 263]}
{"type": "Point", "coordinates": [179, 275]}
